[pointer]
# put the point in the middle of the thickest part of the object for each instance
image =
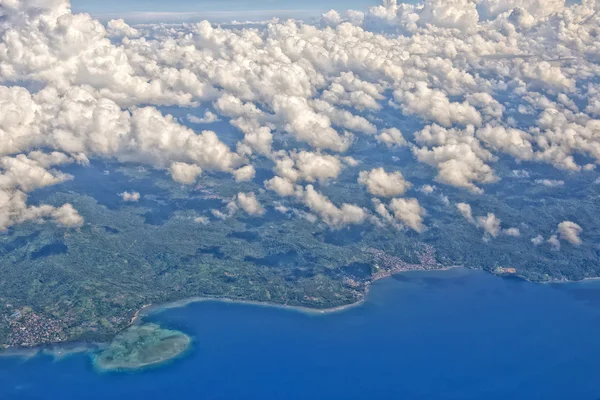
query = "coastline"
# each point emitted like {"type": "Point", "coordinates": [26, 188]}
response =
{"type": "Point", "coordinates": [59, 350]}
{"type": "Point", "coordinates": [64, 349]}
{"type": "Point", "coordinates": [55, 350]}
{"type": "Point", "coordinates": [157, 308]}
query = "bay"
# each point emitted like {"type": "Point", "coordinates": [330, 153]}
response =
{"type": "Point", "coordinates": [457, 334]}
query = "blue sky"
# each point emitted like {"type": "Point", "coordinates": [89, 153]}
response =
{"type": "Point", "coordinates": [217, 9]}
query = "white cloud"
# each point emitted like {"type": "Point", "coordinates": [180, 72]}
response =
{"type": "Point", "coordinates": [554, 242]}
{"type": "Point", "coordinates": [570, 231]}
{"type": "Point", "coordinates": [539, 239]}
{"type": "Point", "coordinates": [459, 157]}
{"type": "Point", "coordinates": [184, 173]}
{"type": "Point", "coordinates": [391, 137]}
{"type": "Point", "coordinates": [118, 28]}
{"type": "Point", "coordinates": [335, 217]}
{"type": "Point", "coordinates": [409, 212]}
{"type": "Point", "coordinates": [281, 186]}
{"type": "Point", "coordinates": [490, 224]}
{"type": "Point", "coordinates": [550, 182]}
{"type": "Point", "coordinates": [384, 184]}
{"type": "Point", "coordinates": [67, 216]}
{"type": "Point", "coordinates": [308, 166]}
{"type": "Point", "coordinates": [465, 210]}
{"type": "Point", "coordinates": [244, 173]}
{"type": "Point", "coordinates": [207, 118]}
{"type": "Point", "coordinates": [433, 105]}
{"type": "Point", "coordinates": [130, 196]}
{"type": "Point", "coordinates": [459, 65]}
{"type": "Point", "coordinates": [249, 203]}
{"type": "Point", "coordinates": [202, 220]}
{"type": "Point", "coordinates": [21, 174]}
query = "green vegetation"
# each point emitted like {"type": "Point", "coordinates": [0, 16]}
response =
{"type": "Point", "coordinates": [60, 285]}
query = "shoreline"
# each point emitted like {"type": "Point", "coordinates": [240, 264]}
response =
{"type": "Point", "coordinates": [59, 350]}
{"type": "Point", "coordinates": [150, 309]}
{"type": "Point", "coordinates": [55, 350]}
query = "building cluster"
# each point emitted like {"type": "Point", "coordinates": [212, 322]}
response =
{"type": "Point", "coordinates": [388, 264]}
{"type": "Point", "coordinates": [32, 329]}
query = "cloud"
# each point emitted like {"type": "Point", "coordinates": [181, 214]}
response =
{"type": "Point", "coordinates": [118, 28]}
{"type": "Point", "coordinates": [67, 216]}
{"type": "Point", "coordinates": [570, 231]}
{"type": "Point", "coordinates": [409, 212]}
{"type": "Point", "coordinates": [384, 184]}
{"type": "Point", "coordinates": [335, 217]}
{"type": "Point", "coordinates": [184, 173]}
{"type": "Point", "coordinates": [433, 105]}
{"type": "Point", "coordinates": [21, 174]}
{"type": "Point", "coordinates": [391, 137]}
{"type": "Point", "coordinates": [308, 166]}
{"type": "Point", "coordinates": [550, 182]}
{"type": "Point", "coordinates": [554, 242]}
{"type": "Point", "coordinates": [460, 158]}
{"type": "Point", "coordinates": [249, 203]}
{"type": "Point", "coordinates": [244, 173]}
{"type": "Point", "coordinates": [281, 186]}
{"type": "Point", "coordinates": [539, 239]}
{"type": "Point", "coordinates": [515, 232]}
{"type": "Point", "coordinates": [488, 79]}
{"type": "Point", "coordinates": [208, 118]}
{"type": "Point", "coordinates": [490, 223]}
{"type": "Point", "coordinates": [465, 210]}
{"type": "Point", "coordinates": [130, 196]}
{"type": "Point", "coordinates": [202, 220]}
{"type": "Point", "coordinates": [427, 189]}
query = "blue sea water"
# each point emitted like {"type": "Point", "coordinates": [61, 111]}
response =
{"type": "Point", "coordinates": [456, 334]}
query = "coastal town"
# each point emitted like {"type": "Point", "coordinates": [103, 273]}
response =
{"type": "Point", "coordinates": [31, 329]}
{"type": "Point", "coordinates": [386, 264]}
{"type": "Point", "coordinates": [28, 328]}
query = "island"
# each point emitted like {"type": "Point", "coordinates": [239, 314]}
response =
{"type": "Point", "coordinates": [141, 346]}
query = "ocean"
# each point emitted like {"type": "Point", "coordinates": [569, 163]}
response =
{"type": "Point", "coordinates": [457, 334]}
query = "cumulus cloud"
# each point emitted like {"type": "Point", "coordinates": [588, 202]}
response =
{"type": "Point", "coordinates": [391, 137]}
{"type": "Point", "coordinates": [427, 189]}
{"type": "Point", "coordinates": [539, 239]}
{"type": "Point", "coordinates": [433, 105]}
{"type": "Point", "coordinates": [384, 184]}
{"type": "Point", "coordinates": [554, 242]}
{"type": "Point", "coordinates": [244, 173]}
{"type": "Point", "coordinates": [459, 157]}
{"type": "Point", "coordinates": [512, 232]}
{"type": "Point", "coordinates": [570, 231]}
{"type": "Point", "coordinates": [22, 174]}
{"type": "Point", "coordinates": [118, 28]}
{"type": "Point", "coordinates": [490, 223]}
{"type": "Point", "coordinates": [67, 216]}
{"type": "Point", "coordinates": [281, 186]}
{"type": "Point", "coordinates": [184, 173]}
{"type": "Point", "coordinates": [249, 203]}
{"type": "Point", "coordinates": [300, 93]}
{"type": "Point", "coordinates": [335, 217]}
{"type": "Point", "coordinates": [130, 196]}
{"type": "Point", "coordinates": [308, 166]}
{"type": "Point", "coordinates": [409, 212]}
{"type": "Point", "coordinates": [465, 210]}
{"type": "Point", "coordinates": [207, 118]}
{"type": "Point", "coordinates": [202, 220]}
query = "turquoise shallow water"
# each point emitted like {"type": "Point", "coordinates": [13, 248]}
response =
{"type": "Point", "coordinates": [456, 334]}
